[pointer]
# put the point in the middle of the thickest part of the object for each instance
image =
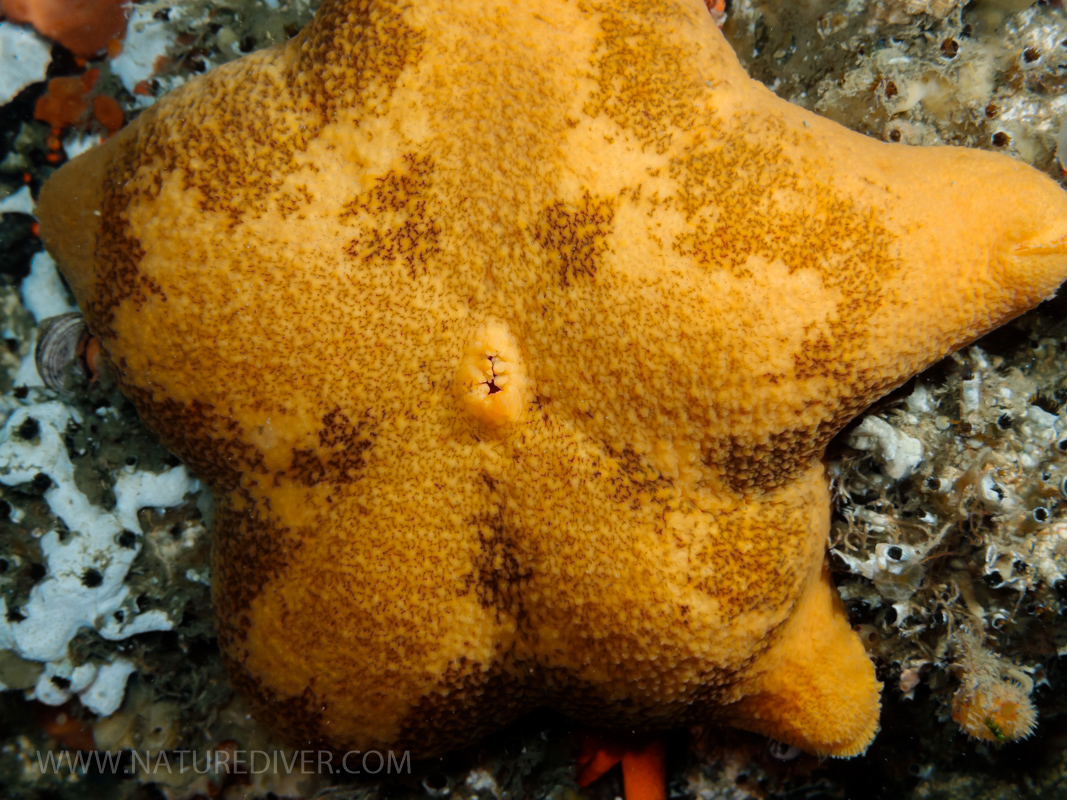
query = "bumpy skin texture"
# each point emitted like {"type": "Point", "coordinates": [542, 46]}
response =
{"type": "Point", "coordinates": [510, 337]}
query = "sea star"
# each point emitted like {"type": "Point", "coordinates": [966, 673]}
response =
{"type": "Point", "coordinates": [510, 337]}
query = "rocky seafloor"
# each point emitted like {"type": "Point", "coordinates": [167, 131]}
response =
{"type": "Point", "coordinates": [950, 531]}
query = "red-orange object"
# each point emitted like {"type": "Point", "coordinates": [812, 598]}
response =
{"type": "Point", "coordinates": [108, 113]}
{"type": "Point", "coordinates": [644, 765]}
{"type": "Point", "coordinates": [67, 100]}
{"type": "Point", "coordinates": [82, 26]}
{"type": "Point", "coordinates": [64, 102]}
{"type": "Point", "coordinates": [89, 351]}
{"type": "Point", "coordinates": [69, 731]}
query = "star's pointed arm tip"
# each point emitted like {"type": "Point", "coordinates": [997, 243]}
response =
{"type": "Point", "coordinates": [1053, 247]}
{"type": "Point", "coordinates": [1021, 216]}
{"type": "Point", "coordinates": [1032, 264]}
{"type": "Point", "coordinates": [814, 688]}
{"type": "Point", "coordinates": [69, 211]}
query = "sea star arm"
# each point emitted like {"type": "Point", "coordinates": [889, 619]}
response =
{"type": "Point", "coordinates": [815, 688]}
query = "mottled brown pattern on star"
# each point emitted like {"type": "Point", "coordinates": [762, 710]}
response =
{"type": "Point", "coordinates": [403, 199]}
{"type": "Point", "coordinates": [210, 446]}
{"type": "Point", "coordinates": [574, 237]}
{"type": "Point", "coordinates": [340, 455]}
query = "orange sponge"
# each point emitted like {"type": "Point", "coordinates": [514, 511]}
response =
{"type": "Point", "coordinates": [64, 102]}
{"type": "Point", "coordinates": [82, 26]}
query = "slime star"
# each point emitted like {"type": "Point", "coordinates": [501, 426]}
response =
{"type": "Point", "coordinates": [510, 336]}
